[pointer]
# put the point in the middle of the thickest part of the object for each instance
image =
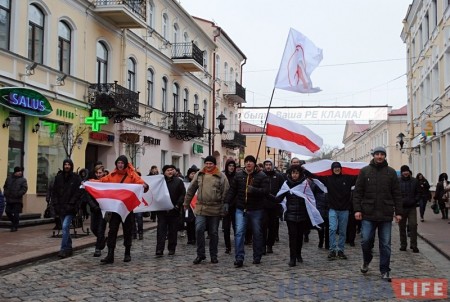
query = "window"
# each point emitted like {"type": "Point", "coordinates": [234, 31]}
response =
{"type": "Point", "coordinates": [35, 34]}
{"type": "Point", "coordinates": [164, 95]}
{"type": "Point", "coordinates": [131, 74]}
{"type": "Point", "coordinates": [205, 59]}
{"type": "Point", "coordinates": [205, 113]}
{"type": "Point", "coordinates": [186, 101]}
{"type": "Point", "coordinates": [151, 14]}
{"type": "Point", "coordinates": [232, 79]}
{"type": "Point", "coordinates": [64, 46]}
{"type": "Point", "coordinates": [150, 88]}
{"type": "Point", "coordinates": [176, 33]}
{"type": "Point", "coordinates": [186, 37]}
{"type": "Point", "coordinates": [225, 70]}
{"type": "Point", "coordinates": [196, 104]}
{"type": "Point", "coordinates": [447, 67]}
{"type": "Point", "coordinates": [176, 93]}
{"type": "Point", "coordinates": [165, 29]}
{"type": "Point", "coordinates": [5, 19]}
{"type": "Point", "coordinates": [102, 63]}
{"type": "Point", "coordinates": [217, 67]}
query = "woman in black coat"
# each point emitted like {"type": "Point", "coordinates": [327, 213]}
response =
{"type": "Point", "coordinates": [296, 215]}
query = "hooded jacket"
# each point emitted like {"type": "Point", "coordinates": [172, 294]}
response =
{"type": "Point", "coordinates": [339, 188]}
{"type": "Point", "coordinates": [66, 191]}
{"type": "Point", "coordinates": [377, 193]}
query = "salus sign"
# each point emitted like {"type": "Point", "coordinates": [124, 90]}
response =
{"type": "Point", "coordinates": [25, 100]}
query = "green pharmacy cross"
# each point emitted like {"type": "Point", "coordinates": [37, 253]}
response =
{"type": "Point", "coordinates": [96, 120]}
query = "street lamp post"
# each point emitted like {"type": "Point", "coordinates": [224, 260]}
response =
{"type": "Point", "coordinates": [201, 125]}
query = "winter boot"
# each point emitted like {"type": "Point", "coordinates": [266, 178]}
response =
{"type": "Point", "coordinates": [293, 262]}
{"type": "Point", "coordinates": [110, 257]}
{"type": "Point", "coordinates": [127, 257]}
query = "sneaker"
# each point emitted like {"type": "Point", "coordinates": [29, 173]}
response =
{"type": "Point", "coordinates": [364, 268]}
{"type": "Point", "coordinates": [332, 256]}
{"type": "Point", "coordinates": [238, 263]}
{"type": "Point", "coordinates": [415, 250]}
{"type": "Point", "coordinates": [385, 276]}
{"type": "Point", "coordinates": [341, 255]}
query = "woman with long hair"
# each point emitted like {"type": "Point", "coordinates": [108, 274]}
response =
{"type": "Point", "coordinates": [424, 194]}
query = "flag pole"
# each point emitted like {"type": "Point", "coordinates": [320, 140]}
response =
{"type": "Point", "coordinates": [265, 123]}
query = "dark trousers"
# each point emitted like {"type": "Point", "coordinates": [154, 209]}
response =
{"type": "Point", "coordinates": [127, 227]}
{"type": "Point", "coordinates": [98, 227]}
{"type": "Point", "coordinates": [270, 226]}
{"type": "Point", "coordinates": [12, 211]}
{"type": "Point", "coordinates": [324, 235]}
{"type": "Point", "coordinates": [167, 227]}
{"type": "Point", "coordinates": [190, 231]}
{"type": "Point", "coordinates": [351, 229]}
{"type": "Point", "coordinates": [296, 231]}
{"type": "Point", "coordinates": [138, 226]}
{"type": "Point", "coordinates": [228, 223]}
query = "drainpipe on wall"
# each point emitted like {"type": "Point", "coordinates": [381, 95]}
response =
{"type": "Point", "coordinates": [213, 117]}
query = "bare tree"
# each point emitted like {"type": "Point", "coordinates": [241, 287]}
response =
{"type": "Point", "coordinates": [71, 137]}
{"type": "Point", "coordinates": [326, 153]}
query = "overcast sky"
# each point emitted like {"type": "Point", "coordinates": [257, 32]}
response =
{"type": "Point", "coordinates": [364, 58]}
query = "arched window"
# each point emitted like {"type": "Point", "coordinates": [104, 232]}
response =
{"type": "Point", "coordinates": [232, 79]}
{"type": "Point", "coordinates": [176, 33]}
{"type": "Point", "coordinates": [36, 34]}
{"type": "Point", "coordinates": [186, 37]}
{"type": "Point", "coordinates": [196, 104]}
{"type": "Point", "coordinates": [164, 95]}
{"type": "Point", "coordinates": [131, 74]}
{"type": "Point", "coordinates": [176, 93]}
{"type": "Point", "coordinates": [205, 59]}
{"type": "Point", "coordinates": [150, 87]}
{"type": "Point", "coordinates": [5, 13]}
{"type": "Point", "coordinates": [64, 47]}
{"type": "Point", "coordinates": [102, 63]}
{"type": "Point", "coordinates": [186, 100]}
{"type": "Point", "coordinates": [217, 67]}
{"type": "Point", "coordinates": [165, 24]}
{"type": "Point", "coordinates": [225, 70]}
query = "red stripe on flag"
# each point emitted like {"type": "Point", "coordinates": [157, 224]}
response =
{"type": "Point", "coordinates": [287, 135]}
{"type": "Point", "coordinates": [345, 171]}
{"type": "Point", "coordinates": [127, 197]}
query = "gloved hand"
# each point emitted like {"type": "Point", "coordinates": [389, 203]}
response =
{"type": "Point", "coordinates": [226, 208]}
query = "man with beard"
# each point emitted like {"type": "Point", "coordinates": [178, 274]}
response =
{"type": "Point", "coordinates": [66, 198]}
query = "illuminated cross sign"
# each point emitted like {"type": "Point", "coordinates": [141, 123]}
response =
{"type": "Point", "coordinates": [53, 127]}
{"type": "Point", "coordinates": [96, 120]}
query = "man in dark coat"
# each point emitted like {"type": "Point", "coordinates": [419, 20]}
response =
{"type": "Point", "coordinates": [66, 198]}
{"type": "Point", "coordinates": [250, 187]}
{"type": "Point", "coordinates": [15, 188]}
{"type": "Point", "coordinates": [376, 199]}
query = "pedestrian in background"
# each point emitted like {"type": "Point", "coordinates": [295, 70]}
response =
{"type": "Point", "coordinates": [15, 188]}
{"type": "Point", "coordinates": [409, 188]}
{"type": "Point", "coordinates": [441, 194]}
{"type": "Point", "coordinates": [189, 219]}
{"type": "Point", "coordinates": [424, 194]}
{"type": "Point", "coordinates": [211, 186]}
{"type": "Point", "coordinates": [376, 199]}
{"type": "Point", "coordinates": [2, 203]}
{"type": "Point", "coordinates": [153, 171]}
{"type": "Point", "coordinates": [66, 198]}
{"type": "Point", "coordinates": [228, 218]}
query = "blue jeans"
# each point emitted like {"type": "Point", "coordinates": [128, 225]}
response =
{"type": "Point", "coordinates": [368, 229]}
{"type": "Point", "coordinates": [255, 218]}
{"type": "Point", "coordinates": [337, 220]}
{"type": "Point", "coordinates": [210, 223]}
{"type": "Point", "coordinates": [66, 242]}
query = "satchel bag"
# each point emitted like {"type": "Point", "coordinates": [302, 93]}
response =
{"type": "Point", "coordinates": [435, 207]}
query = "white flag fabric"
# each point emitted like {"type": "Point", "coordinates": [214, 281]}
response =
{"type": "Point", "coordinates": [304, 191]}
{"type": "Point", "coordinates": [286, 135]}
{"type": "Point", "coordinates": [157, 197]}
{"type": "Point", "coordinates": [120, 198]}
{"type": "Point", "coordinates": [300, 58]}
{"type": "Point", "coordinates": [323, 167]}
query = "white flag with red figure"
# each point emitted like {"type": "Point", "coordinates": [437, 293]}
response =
{"type": "Point", "coordinates": [157, 197]}
{"type": "Point", "coordinates": [290, 136]}
{"type": "Point", "coordinates": [300, 58]}
{"type": "Point", "coordinates": [323, 167]}
{"type": "Point", "coordinates": [120, 198]}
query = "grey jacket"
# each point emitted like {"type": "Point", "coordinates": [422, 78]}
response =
{"type": "Point", "coordinates": [15, 188]}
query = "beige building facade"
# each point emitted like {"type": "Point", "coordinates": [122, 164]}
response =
{"type": "Point", "coordinates": [148, 66]}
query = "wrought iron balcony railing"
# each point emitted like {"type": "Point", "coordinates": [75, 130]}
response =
{"type": "Point", "coordinates": [188, 55]}
{"type": "Point", "coordinates": [115, 101]}
{"type": "Point", "coordinates": [123, 13]}
{"type": "Point", "coordinates": [184, 126]}
{"type": "Point", "coordinates": [233, 140]}
{"type": "Point", "coordinates": [235, 93]}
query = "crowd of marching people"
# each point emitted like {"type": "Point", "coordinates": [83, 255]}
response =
{"type": "Point", "coordinates": [252, 200]}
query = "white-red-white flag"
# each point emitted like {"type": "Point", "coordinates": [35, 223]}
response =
{"type": "Point", "coordinates": [120, 198]}
{"type": "Point", "coordinates": [157, 197]}
{"type": "Point", "coordinates": [286, 135]}
{"type": "Point", "coordinates": [323, 167]}
{"type": "Point", "coordinates": [300, 58]}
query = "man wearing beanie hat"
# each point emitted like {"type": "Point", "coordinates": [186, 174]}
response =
{"type": "Point", "coordinates": [376, 199]}
{"type": "Point", "coordinates": [15, 188]}
{"type": "Point", "coordinates": [211, 186]}
{"type": "Point", "coordinates": [123, 173]}
{"type": "Point", "coordinates": [65, 198]}
{"type": "Point", "coordinates": [339, 188]}
{"type": "Point", "coordinates": [248, 190]}
{"type": "Point", "coordinates": [409, 186]}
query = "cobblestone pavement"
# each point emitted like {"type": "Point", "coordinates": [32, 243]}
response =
{"type": "Point", "coordinates": [175, 278]}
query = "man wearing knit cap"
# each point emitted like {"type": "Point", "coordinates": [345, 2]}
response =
{"type": "Point", "coordinates": [15, 188]}
{"type": "Point", "coordinates": [123, 173]}
{"type": "Point", "coordinates": [409, 186]}
{"type": "Point", "coordinates": [211, 186]}
{"type": "Point", "coordinates": [376, 198]}
{"type": "Point", "coordinates": [248, 189]}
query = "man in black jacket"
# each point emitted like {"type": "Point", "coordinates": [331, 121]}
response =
{"type": "Point", "coordinates": [409, 187]}
{"type": "Point", "coordinates": [66, 197]}
{"type": "Point", "coordinates": [15, 188]}
{"type": "Point", "coordinates": [249, 187]}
